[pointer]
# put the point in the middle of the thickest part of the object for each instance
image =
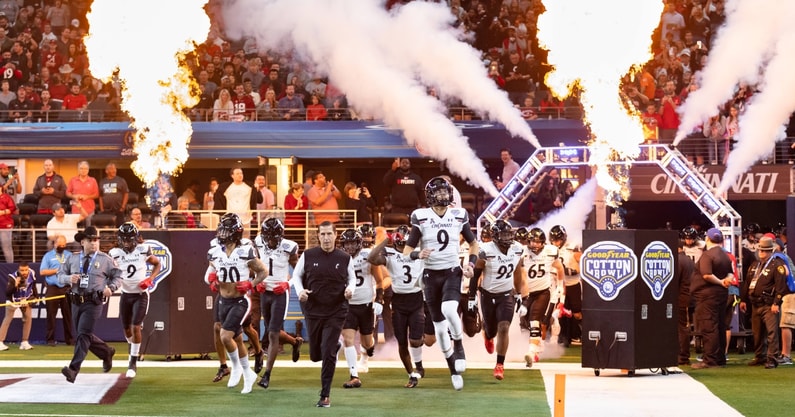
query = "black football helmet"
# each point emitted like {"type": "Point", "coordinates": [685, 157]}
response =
{"type": "Point", "coordinates": [272, 232]}
{"type": "Point", "coordinates": [368, 234]}
{"type": "Point", "coordinates": [400, 236]}
{"type": "Point", "coordinates": [230, 229]}
{"type": "Point", "coordinates": [351, 241]}
{"type": "Point", "coordinates": [557, 233]}
{"type": "Point", "coordinates": [438, 192]}
{"type": "Point", "coordinates": [502, 233]}
{"type": "Point", "coordinates": [689, 232]}
{"type": "Point", "coordinates": [128, 236]}
{"type": "Point", "coordinates": [521, 235]}
{"type": "Point", "coordinates": [485, 233]}
{"type": "Point", "coordinates": [751, 229]}
{"type": "Point", "coordinates": [536, 239]}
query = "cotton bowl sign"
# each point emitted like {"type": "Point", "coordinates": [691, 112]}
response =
{"type": "Point", "coordinates": [608, 266]}
{"type": "Point", "coordinates": [164, 255]}
{"type": "Point", "coordinates": [657, 268]}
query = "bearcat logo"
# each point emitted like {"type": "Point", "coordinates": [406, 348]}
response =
{"type": "Point", "coordinates": [164, 255]}
{"type": "Point", "coordinates": [657, 268]}
{"type": "Point", "coordinates": [608, 267]}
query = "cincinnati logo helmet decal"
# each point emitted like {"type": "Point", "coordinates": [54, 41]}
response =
{"type": "Point", "coordinates": [657, 268]}
{"type": "Point", "coordinates": [608, 266]}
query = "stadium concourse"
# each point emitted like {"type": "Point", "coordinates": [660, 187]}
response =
{"type": "Point", "coordinates": [613, 393]}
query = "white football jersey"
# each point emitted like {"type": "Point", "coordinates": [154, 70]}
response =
{"type": "Point", "coordinates": [405, 273]}
{"type": "Point", "coordinates": [365, 281]}
{"type": "Point", "coordinates": [442, 234]}
{"type": "Point", "coordinates": [538, 267]}
{"type": "Point", "coordinates": [694, 252]}
{"type": "Point", "coordinates": [276, 260]}
{"type": "Point", "coordinates": [571, 268]}
{"type": "Point", "coordinates": [132, 265]}
{"type": "Point", "coordinates": [499, 267]}
{"type": "Point", "coordinates": [232, 268]}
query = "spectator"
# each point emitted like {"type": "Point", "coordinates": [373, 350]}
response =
{"type": "Point", "coordinates": [316, 110]}
{"type": "Point", "coordinates": [192, 194]}
{"type": "Point", "coordinates": [223, 108]}
{"type": "Point", "coordinates": [273, 83]}
{"type": "Point", "coordinates": [242, 104]}
{"type": "Point", "coordinates": [315, 87]}
{"type": "Point", "coordinates": [550, 106]}
{"type": "Point", "coordinates": [183, 207]}
{"type": "Point", "coordinates": [7, 209]}
{"type": "Point", "coordinates": [48, 109]}
{"type": "Point", "coordinates": [6, 95]}
{"type": "Point", "coordinates": [21, 108]}
{"type": "Point", "coordinates": [296, 200]}
{"type": "Point", "coordinates": [299, 72]}
{"type": "Point", "coordinates": [254, 73]}
{"type": "Point", "coordinates": [291, 105]}
{"type": "Point", "coordinates": [21, 288]}
{"type": "Point", "coordinates": [566, 191]}
{"type": "Point", "coordinates": [527, 108]}
{"type": "Point", "coordinates": [548, 197]}
{"type": "Point", "coordinates": [268, 201]}
{"type": "Point", "coordinates": [266, 109]}
{"type": "Point", "coordinates": [58, 89]}
{"type": "Point", "coordinates": [651, 123]}
{"type": "Point", "coordinates": [47, 35]}
{"type": "Point", "coordinates": [248, 88]}
{"type": "Point", "coordinates": [64, 224]}
{"type": "Point", "coordinates": [51, 59]}
{"type": "Point", "coordinates": [406, 188]}
{"type": "Point", "coordinates": [137, 218]}
{"type": "Point", "coordinates": [209, 196]}
{"type": "Point", "coordinates": [358, 199]}
{"type": "Point", "coordinates": [715, 133]}
{"type": "Point", "coordinates": [75, 100]}
{"type": "Point", "coordinates": [9, 182]}
{"type": "Point", "coordinates": [509, 168]}
{"type": "Point", "coordinates": [494, 74]}
{"type": "Point", "coordinates": [669, 113]}
{"type": "Point", "coordinates": [83, 189]}
{"type": "Point", "coordinates": [323, 198]}
{"type": "Point", "coordinates": [68, 75]}
{"type": "Point", "coordinates": [49, 188]}
{"type": "Point", "coordinates": [114, 193]}
{"type": "Point", "coordinates": [238, 197]}
{"type": "Point", "coordinates": [672, 22]}
{"type": "Point", "coordinates": [337, 112]}
{"type": "Point", "coordinates": [731, 126]}
{"type": "Point", "coordinates": [58, 15]}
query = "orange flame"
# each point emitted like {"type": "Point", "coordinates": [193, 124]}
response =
{"type": "Point", "coordinates": [144, 46]}
{"type": "Point", "coordinates": [592, 44]}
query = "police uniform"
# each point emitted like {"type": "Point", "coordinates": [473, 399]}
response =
{"type": "Point", "coordinates": [327, 275]}
{"type": "Point", "coordinates": [134, 300]}
{"type": "Point", "coordinates": [496, 287]}
{"type": "Point", "coordinates": [97, 271]}
{"type": "Point", "coordinates": [764, 287]}
{"type": "Point", "coordinates": [232, 268]}
{"type": "Point", "coordinates": [274, 306]}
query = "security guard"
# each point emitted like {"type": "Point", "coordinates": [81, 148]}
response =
{"type": "Point", "coordinates": [764, 289]}
{"type": "Point", "coordinates": [94, 276]}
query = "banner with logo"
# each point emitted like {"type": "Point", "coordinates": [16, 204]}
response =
{"type": "Point", "coordinates": [608, 266]}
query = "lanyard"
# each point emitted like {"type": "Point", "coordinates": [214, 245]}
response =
{"type": "Point", "coordinates": [89, 263]}
{"type": "Point", "coordinates": [758, 271]}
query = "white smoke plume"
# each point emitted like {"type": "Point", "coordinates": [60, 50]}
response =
{"type": "Point", "coordinates": [574, 214]}
{"type": "Point", "coordinates": [384, 62]}
{"type": "Point", "coordinates": [742, 46]}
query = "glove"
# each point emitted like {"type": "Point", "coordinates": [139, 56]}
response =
{"type": "Point", "coordinates": [472, 304]}
{"type": "Point", "coordinates": [281, 288]}
{"type": "Point", "coordinates": [522, 311]}
{"type": "Point", "coordinates": [214, 286]}
{"type": "Point", "coordinates": [243, 286]}
{"type": "Point", "coordinates": [145, 284]}
{"type": "Point", "coordinates": [261, 287]}
{"type": "Point", "coordinates": [212, 278]}
{"type": "Point", "coordinates": [378, 308]}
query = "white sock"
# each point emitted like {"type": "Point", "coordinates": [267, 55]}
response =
{"type": "Point", "coordinates": [244, 362]}
{"type": "Point", "coordinates": [416, 353]}
{"type": "Point", "coordinates": [234, 358]}
{"type": "Point", "coordinates": [129, 340]}
{"type": "Point", "coordinates": [450, 312]}
{"type": "Point", "coordinates": [350, 357]}
{"type": "Point", "coordinates": [440, 328]}
{"type": "Point", "coordinates": [135, 349]}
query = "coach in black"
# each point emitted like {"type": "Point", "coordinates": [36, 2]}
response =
{"type": "Point", "coordinates": [94, 276]}
{"type": "Point", "coordinates": [324, 280]}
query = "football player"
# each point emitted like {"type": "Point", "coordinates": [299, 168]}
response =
{"type": "Point", "coordinates": [408, 314]}
{"type": "Point", "coordinates": [570, 327]}
{"type": "Point", "coordinates": [543, 274]}
{"type": "Point", "coordinates": [231, 259]}
{"type": "Point", "coordinates": [437, 230]}
{"type": "Point", "coordinates": [132, 256]}
{"type": "Point", "coordinates": [362, 309]}
{"type": "Point", "coordinates": [500, 262]}
{"type": "Point", "coordinates": [693, 246]}
{"type": "Point", "coordinates": [280, 255]}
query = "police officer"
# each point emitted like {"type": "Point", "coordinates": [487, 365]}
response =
{"type": "Point", "coordinates": [764, 289]}
{"type": "Point", "coordinates": [94, 276]}
{"type": "Point", "coordinates": [324, 280]}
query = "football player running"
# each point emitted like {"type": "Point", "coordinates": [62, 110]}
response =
{"type": "Point", "coordinates": [436, 230]}
{"type": "Point", "coordinates": [408, 314]}
{"type": "Point", "coordinates": [231, 260]}
{"type": "Point", "coordinates": [500, 263]}
{"type": "Point", "coordinates": [279, 254]}
{"type": "Point", "coordinates": [544, 276]}
{"type": "Point", "coordinates": [132, 256]}
{"type": "Point", "coordinates": [570, 327]}
{"type": "Point", "coordinates": [362, 309]}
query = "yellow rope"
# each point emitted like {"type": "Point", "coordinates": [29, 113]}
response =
{"type": "Point", "coordinates": [35, 300]}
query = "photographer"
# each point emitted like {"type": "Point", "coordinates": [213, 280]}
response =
{"type": "Point", "coordinates": [359, 199]}
{"type": "Point", "coordinates": [9, 180]}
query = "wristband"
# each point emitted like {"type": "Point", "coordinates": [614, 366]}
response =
{"type": "Point", "coordinates": [473, 259]}
{"type": "Point", "coordinates": [414, 256]}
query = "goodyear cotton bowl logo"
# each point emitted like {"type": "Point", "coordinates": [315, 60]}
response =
{"type": "Point", "coordinates": [164, 255]}
{"type": "Point", "coordinates": [608, 267]}
{"type": "Point", "coordinates": [657, 268]}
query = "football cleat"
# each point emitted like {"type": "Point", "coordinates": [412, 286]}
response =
{"type": "Point", "coordinates": [222, 372]}
{"type": "Point", "coordinates": [460, 356]}
{"type": "Point", "coordinates": [499, 372]}
{"type": "Point", "coordinates": [458, 382]}
{"type": "Point", "coordinates": [249, 378]}
{"type": "Point", "coordinates": [489, 345]}
{"type": "Point", "coordinates": [235, 375]}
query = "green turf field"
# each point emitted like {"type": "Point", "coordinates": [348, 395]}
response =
{"type": "Point", "coordinates": [188, 391]}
